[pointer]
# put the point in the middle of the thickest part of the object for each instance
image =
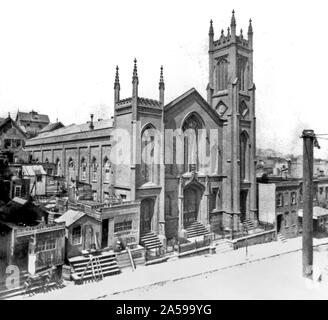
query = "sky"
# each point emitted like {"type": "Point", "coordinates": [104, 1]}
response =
{"type": "Point", "coordinates": [59, 58]}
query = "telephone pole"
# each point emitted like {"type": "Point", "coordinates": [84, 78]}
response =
{"type": "Point", "coordinates": [307, 219]}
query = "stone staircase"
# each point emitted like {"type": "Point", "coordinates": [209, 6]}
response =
{"type": "Point", "coordinates": [248, 225]}
{"type": "Point", "coordinates": [149, 240]}
{"type": "Point", "coordinates": [196, 229]}
{"type": "Point", "coordinates": [281, 238]}
{"type": "Point", "coordinates": [94, 267]}
{"type": "Point", "coordinates": [222, 246]}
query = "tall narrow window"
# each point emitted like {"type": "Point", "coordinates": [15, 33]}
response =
{"type": "Point", "coordinates": [107, 170]}
{"type": "Point", "coordinates": [242, 67]}
{"type": "Point", "coordinates": [94, 169]}
{"type": "Point", "coordinates": [244, 156]}
{"type": "Point", "coordinates": [58, 167]}
{"type": "Point", "coordinates": [70, 169]}
{"type": "Point", "coordinates": [222, 75]}
{"type": "Point", "coordinates": [83, 169]}
{"type": "Point", "coordinates": [148, 154]}
{"type": "Point", "coordinates": [191, 129]}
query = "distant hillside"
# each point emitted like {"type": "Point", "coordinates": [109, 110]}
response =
{"type": "Point", "coordinates": [268, 153]}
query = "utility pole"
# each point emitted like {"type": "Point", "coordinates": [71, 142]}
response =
{"type": "Point", "coordinates": [307, 220]}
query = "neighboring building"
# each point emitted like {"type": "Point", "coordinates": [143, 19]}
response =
{"type": "Point", "coordinates": [94, 226]}
{"type": "Point", "coordinates": [26, 238]}
{"type": "Point", "coordinates": [33, 122]}
{"type": "Point", "coordinates": [82, 232]}
{"type": "Point", "coordinates": [320, 167]}
{"type": "Point", "coordinates": [38, 179]}
{"type": "Point", "coordinates": [279, 201]}
{"type": "Point", "coordinates": [321, 184]}
{"type": "Point", "coordinates": [320, 221]}
{"type": "Point", "coordinates": [184, 195]}
{"type": "Point", "coordinates": [12, 141]}
{"type": "Point", "coordinates": [275, 166]}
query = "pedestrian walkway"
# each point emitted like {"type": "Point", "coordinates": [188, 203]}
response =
{"type": "Point", "coordinates": [176, 270]}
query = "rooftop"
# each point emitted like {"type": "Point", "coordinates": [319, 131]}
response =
{"type": "Point", "coordinates": [70, 216]}
{"type": "Point", "coordinates": [75, 128]}
{"type": "Point", "coordinates": [32, 116]}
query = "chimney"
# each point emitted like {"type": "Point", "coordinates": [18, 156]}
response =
{"type": "Point", "coordinates": [91, 126]}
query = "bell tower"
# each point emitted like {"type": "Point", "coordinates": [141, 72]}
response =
{"type": "Point", "coordinates": [231, 93]}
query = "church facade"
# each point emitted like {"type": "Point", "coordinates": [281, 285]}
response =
{"type": "Point", "coordinates": [190, 163]}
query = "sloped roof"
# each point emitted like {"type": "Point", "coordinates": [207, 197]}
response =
{"type": "Point", "coordinates": [204, 103]}
{"type": "Point", "coordinates": [70, 216]}
{"type": "Point", "coordinates": [6, 120]}
{"type": "Point", "coordinates": [52, 127]}
{"type": "Point", "coordinates": [75, 128]}
{"type": "Point", "coordinates": [33, 170]}
{"type": "Point", "coordinates": [32, 116]}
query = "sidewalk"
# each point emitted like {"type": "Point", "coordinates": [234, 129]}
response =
{"type": "Point", "coordinates": [175, 270]}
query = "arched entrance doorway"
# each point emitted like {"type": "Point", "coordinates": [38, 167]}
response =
{"type": "Point", "coordinates": [146, 215]}
{"type": "Point", "coordinates": [191, 196]}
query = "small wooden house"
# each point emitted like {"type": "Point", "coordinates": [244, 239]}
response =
{"type": "Point", "coordinates": [83, 232]}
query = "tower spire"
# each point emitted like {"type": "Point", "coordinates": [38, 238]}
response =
{"type": "Point", "coordinates": [117, 88]}
{"type": "Point", "coordinates": [161, 87]}
{"type": "Point", "coordinates": [233, 27]}
{"type": "Point", "coordinates": [135, 72]}
{"type": "Point", "coordinates": [211, 31]}
{"type": "Point", "coordinates": [117, 79]}
{"type": "Point", "coordinates": [250, 34]}
{"type": "Point", "coordinates": [233, 19]}
{"type": "Point", "coordinates": [250, 27]}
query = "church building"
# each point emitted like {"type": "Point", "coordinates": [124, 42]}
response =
{"type": "Point", "coordinates": [190, 163]}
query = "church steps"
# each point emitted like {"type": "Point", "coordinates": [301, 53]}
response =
{"type": "Point", "coordinates": [150, 240]}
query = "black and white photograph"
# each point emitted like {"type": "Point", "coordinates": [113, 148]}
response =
{"type": "Point", "coordinates": [163, 150]}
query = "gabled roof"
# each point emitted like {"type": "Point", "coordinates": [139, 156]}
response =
{"type": "Point", "coordinates": [189, 93]}
{"type": "Point", "coordinates": [32, 116]}
{"type": "Point", "coordinates": [52, 127]}
{"type": "Point", "coordinates": [6, 120]}
{"type": "Point", "coordinates": [70, 217]}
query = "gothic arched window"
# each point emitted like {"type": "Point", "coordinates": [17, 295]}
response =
{"type": "Point", "coordinates": [83, 169]}
{"type": "Point", "coordinates": [107, 169]}
{"type": "Point", "coordinates": [70, 169]}
{"type": "Point", "coordinates": [58, 167]}
{"type": "Point", "coordinates": [148, 154]}
{"type": "Point", "coordinates": [242, 71]}
{"type": "Point", "coordinates": [94, 169]}
{"type": "Point", "coordinates": [191, 129]}
{"type": "Point", "coordinates": [244, 156]}
{"type": "Point", "coordinates": [222, 75]}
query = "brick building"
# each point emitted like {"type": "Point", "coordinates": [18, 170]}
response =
{"type": "Point", "coordinates": [205, 171]}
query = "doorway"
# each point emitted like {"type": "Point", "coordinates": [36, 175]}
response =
{"type": "Point", "coordinates": [104, 233]}
{"type": "Point", "coordinates": [146, 215]}
{"type": "Point", "coordinates": [279, 222]}
{"type": "Point", "coordinates": [243, 204]}
{"type": "Point", "coordinates": [191, 203]}
{"type": "Point", "coordinates": [88, 238]}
